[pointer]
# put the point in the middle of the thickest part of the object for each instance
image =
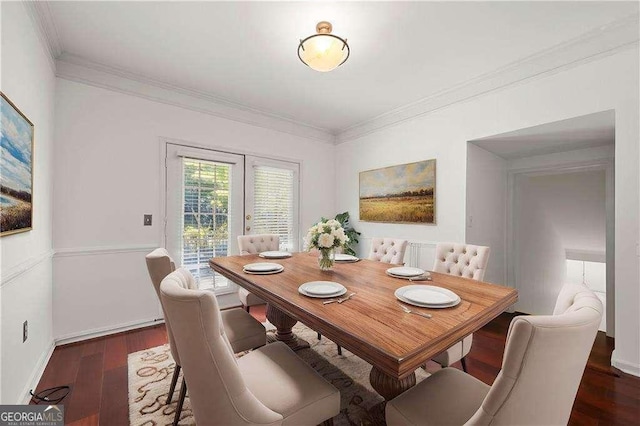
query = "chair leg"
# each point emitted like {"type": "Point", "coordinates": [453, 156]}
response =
{"type": "Point", "coordinates": [464, 365]}
{"type": "Point", "coordinates": [174, 380]}
{"type": "Point", "coordinates": [339, 349]}
{"type": "Point", "coordinates": [319, 336]}
{"type": "Point", "coordinates": [183, 393]}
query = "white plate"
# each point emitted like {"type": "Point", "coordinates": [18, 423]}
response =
{"type": "Point", "coordinates": [262, 267]}
{"type": "Point", "coordinates": [405, 271]}
{"type": "Point", "coordinates": [340, 293]}
{"type": "Point", "coordinates": [322, 289]}
{"type": "Point", "coordinates": [425, 277]}
{"type": "Point", "coordinates": [430, 295]}
{"type": "Point", "coordinates": [340, 257]}
{"type": "Point", "coordinates": [427, 296]}
{"type": "Point", "coordinates": [263, 273]}
{"type": "Point", "coordinates": [275, 254]}
{"type": "Point", "coordinates": [420, 305]}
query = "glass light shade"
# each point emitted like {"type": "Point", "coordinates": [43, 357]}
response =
{"type": "Point", "coordinates": [323, 52]}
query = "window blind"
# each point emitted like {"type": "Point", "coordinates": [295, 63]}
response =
{"type": "Point", "coordinates": [205, 224]}
{"type": "Point", "coordinates": [274, 199]}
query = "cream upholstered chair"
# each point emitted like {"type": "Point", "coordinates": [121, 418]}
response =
{"type": "Point", "coordinates": [255, 244]}
{"type": "Point", "coordinates": [462, 260]}
{"type": "Point", "coordinates": [270, 386]}
{"type": "Point", "coordinates": [244, 331]}
{"type": "Point", "coordinates": [544, 359]}
{"type": "Point", "coordinates": [388, 250]}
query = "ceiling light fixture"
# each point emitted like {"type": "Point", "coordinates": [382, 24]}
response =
{"type": "Point", "coordinates": [323, 51]}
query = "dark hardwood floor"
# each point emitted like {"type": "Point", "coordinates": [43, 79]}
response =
{"type": "Point", "coordinates": [96, 370]}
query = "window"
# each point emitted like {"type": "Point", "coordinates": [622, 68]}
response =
{"type": "Point", "coordinates": [205, 224]}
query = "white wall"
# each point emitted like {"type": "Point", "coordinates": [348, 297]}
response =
{"type": "Point", "coordinates": [540, 259]}
{"type": "Point", "coordinates": [108, 176]}
{"type": "Point", "coordinates": [575, 204]}
{"type": "Point", "coordinates": [554, 214]}
{"type": "Point", "coordinates": [604, 84]}
{"type": "Point", "coordinates": [486, 205]}
{"type": "Point", "coordinates": [26, 285]}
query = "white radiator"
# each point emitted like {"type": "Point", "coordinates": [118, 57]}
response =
{"type": "Point", "coordinates": [420, 255]}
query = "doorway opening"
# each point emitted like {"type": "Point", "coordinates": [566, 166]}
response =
{"type": "Point", "coordinates": [543, 199]}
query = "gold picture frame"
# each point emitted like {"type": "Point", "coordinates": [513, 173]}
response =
{"type": "Point", "coordinates": [16, 160]}
{"type": "Point", "coordinates": [405, 193]}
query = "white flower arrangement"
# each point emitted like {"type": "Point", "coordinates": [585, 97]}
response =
{"type": "Point", "coordinates": [326, 235]}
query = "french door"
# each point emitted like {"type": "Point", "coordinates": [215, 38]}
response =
{"type": "Point", "coordinates": [212, 197]}
{"type": "Point", "coordinates": [204, 196]}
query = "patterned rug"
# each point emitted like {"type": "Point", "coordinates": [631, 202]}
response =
{"type": "Point", "coordinates": [150, 376]}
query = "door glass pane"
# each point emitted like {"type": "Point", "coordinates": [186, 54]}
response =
{"type": "Point", "coordinates": [205, 231]}
{"type": "Point", "coordinates": [273, 204]}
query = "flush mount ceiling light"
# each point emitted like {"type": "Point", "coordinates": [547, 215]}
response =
{"type": "Point", "coordinates": [323, 51]}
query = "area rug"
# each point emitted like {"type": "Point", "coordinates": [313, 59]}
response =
{"type": "Point", "coordinates": [150, 374]}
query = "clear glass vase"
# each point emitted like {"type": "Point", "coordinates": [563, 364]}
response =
{"type": "Point", "coordinates": [326, 258]}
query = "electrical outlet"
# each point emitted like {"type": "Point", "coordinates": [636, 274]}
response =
{"type": "Point", "coordinates": [147, 220]}
{"type": "Point", "coordinates": [25, 331]}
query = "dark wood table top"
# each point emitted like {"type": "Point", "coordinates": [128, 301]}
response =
{"type": "Point", "coordinates": [371, 324]}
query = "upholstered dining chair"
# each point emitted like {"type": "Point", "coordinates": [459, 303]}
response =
{"type": "Point", "coordinates": [387, 250]}
{"type": "Point", "coordinates": [544, 359]}
{"type": "Point", "coordinates": [270, 385]}
{"type": "Point", "coordinates": [255, 244]}
{"type": "Point", "coordinates": [462, 260]}
{"type": "Point", "coordinates": [244, 331]}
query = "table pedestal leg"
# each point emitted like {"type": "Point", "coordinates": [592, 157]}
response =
{"type": "Point", "coordinates": [284, 323]}
{"type": "Point", "coordinates": [389, 387]}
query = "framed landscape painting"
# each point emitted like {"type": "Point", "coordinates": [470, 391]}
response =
{"type": "Point", "coordinates": [16, 165]}
{"type": "Point", "coordinates": [404, 193]}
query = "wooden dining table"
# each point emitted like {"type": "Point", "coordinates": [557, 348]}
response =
{"type": "Point", "coordinates": [371, 325]}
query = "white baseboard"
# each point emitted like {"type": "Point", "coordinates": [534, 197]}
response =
{"type": "Point", "coordinates": [229, 301]}
{"type": "Point", "coordinates": [37, 374]}
{"type": "Point", "coordinates": [625, 366]}
{"type": "Point", "coordinates": [103, 331]}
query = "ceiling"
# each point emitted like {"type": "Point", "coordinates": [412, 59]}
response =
{"type": "Point", "coordinates": [586, 131]}
{"type": "Point", "coordinates": [245, 52]}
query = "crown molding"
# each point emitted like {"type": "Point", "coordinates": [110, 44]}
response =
{"type": "Point", "coordinates": [603, 41]}
{"type": "Point", "coordinates": [81, 70]}
{"type": "Point", "coordinates": [600, 42]}
{"type": "Point", "coordinates": [45, 27]}
{"type": "Point", "coordinates": [78, 69]}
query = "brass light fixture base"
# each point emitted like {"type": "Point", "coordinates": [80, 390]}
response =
{"type": "Point", "coordinates": [324, 27]}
